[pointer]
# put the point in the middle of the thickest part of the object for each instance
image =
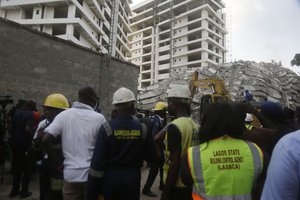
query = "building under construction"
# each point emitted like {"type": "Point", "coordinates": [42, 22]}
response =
{"type": "Point", "coordinates": [97, 24]}
{"type": "Point", "coordinates": [176, 35]}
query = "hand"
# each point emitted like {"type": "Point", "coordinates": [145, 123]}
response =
{"type": "Point", "coordinates": [40, 133]}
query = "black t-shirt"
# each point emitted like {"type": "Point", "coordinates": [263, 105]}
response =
{"type": "Point", "coordinates": [21, 120]}
{"type": "Point", "coordinates": [174, 138]}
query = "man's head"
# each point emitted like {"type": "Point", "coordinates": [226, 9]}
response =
{"type": "Point", "coordinates": [29, 105]}
{"type": "Point", "coordinates": [114, 114]}
{"type": "Point", "coordinates": [20, 103]}
{"type": "Point", "coordinates": [147, 113]}
{"type": "Point", "coordinates": [123, 100]}
{"type": "Point", "coordinates": [179, 98]}
{"type": "Point", "coordinates": [54, 104]}
{"type": "Point", "coordinates": [221, 119]}
{"type": "Point", "coordinates": [87, 95]}
{"type": "Point", "coordinates": [273, 112]}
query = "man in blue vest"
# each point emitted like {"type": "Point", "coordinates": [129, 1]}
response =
{"type": "Point", "coordinates": [115, 170]}
{"type": "Point", "coordinates": [157, 124]}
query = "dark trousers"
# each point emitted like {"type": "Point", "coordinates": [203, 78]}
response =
{"type": "Point", "coordinates": [54, 195]}
{"type": "Point", "coordinates": [154, 168]}
{"type": "Point", "coordinates": [21, 170]}
{"type": "Point", "coordinates": [44, 177]}
{"type": "Point", "coordinates": [181, 193]}
{"type": "Point", "coordinates": [120, 184]}
{"type": "Point", "coordinates": [46, 182]}
{"type": "Point", "coordinates": [46, 192]}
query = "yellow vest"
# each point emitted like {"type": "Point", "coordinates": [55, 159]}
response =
{"type": "Point", "coordinates": [189, 137]}
{"type": "Point", "coordinates": [224, 167]}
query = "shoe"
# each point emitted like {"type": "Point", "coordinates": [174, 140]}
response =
{"type": "Point", "coordinates": [13, 194]}
{"type": "Point", "coordinates": [149, 193]}
{"type": "Point", "coordinates": [23, 195]}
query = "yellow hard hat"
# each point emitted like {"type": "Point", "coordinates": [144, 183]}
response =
{"type": "Point", "coordinates": [57, 101]}
{"type": "Point", "coordinates": [160, 106]}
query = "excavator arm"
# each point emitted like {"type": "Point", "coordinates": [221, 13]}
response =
{"type": "Point", "coordinates": [213, 90]}
{"type": "Point", "coordinates": [214, 87]}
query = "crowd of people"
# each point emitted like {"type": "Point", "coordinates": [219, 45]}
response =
{"type": "Point", "coordinates": [236, 151]}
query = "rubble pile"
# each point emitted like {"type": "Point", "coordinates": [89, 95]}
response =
{"type": "Point", "coordinates": [264, 80]}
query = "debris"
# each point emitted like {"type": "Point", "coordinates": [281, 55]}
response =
{"type": "Point", "coordinates": [265, 81]}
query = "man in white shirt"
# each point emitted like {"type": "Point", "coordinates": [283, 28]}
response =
{"type": "Point", "coordinates": [78, 128]}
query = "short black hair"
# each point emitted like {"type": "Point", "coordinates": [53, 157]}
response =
{"type": "Point", "coordinates": [87, 95]}
{"type": "Point", "coordinates": [185, 104]}
{"type": "Point", "coordinates": [86, 92]}
{"type": "Point", "coordinates": [220, 120]}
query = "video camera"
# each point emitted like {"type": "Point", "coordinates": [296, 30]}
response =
{"type": "Point", "coordinates": [5, 100]}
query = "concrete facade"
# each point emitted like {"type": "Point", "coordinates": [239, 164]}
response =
{"type": "Point", "coordinates": [176, 35]}
{"type": "Point", "coordinates": [35, 64]}
{"type": "Point", "coordinates": [97, 24]}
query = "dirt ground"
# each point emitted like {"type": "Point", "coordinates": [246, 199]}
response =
{"type": "Point", "coordinates": [34, 187]}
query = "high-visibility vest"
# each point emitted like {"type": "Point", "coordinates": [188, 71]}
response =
{"type": "Point", "coordinates": [249, 126]}
{"type": "Point", "coordinates": [189, 137]}
{"type": "Point", "coordinates": [224, 169]}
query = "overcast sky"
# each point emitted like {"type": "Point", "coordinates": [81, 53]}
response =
{"type": "Point", "coordinates": [262, 30]}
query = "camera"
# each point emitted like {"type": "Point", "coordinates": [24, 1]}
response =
{"type": "Point", "coordinates": [5, 100]}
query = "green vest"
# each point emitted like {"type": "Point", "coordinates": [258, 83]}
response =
{"type": "Point", "coordinates": [224, 168]}
{"type": "Point", "coordinates": [189, 137]}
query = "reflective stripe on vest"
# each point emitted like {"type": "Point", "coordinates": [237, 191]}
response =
{"type": "Point", "coordinates": [96, 173]}
{"type": "Point", "coordinates": [225, 169]}
{"type": "Point", "coordinates": [189, 137]}
{"type": "Point", "coordinates": [107, 129]}
{"type": "Point", "coordinates": [56, 184]}
{"type": "Point", "coordinates": [109, 132]}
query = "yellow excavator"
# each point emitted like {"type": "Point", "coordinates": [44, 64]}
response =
{"type": "Point", "coordinates": [213, 90]}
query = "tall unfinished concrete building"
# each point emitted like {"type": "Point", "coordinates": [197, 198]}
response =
{"type": "Point", "coordinates": [98, 24]}
{"type": "Point", "coordinates": [175, 35]}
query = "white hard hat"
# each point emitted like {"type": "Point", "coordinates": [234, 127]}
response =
{"type": "Point", "coordinates": [123, 95]}
{"type": "Point", "coordinates": [248, 118]}
{"type": "Point", "coordinates": [179, 91]}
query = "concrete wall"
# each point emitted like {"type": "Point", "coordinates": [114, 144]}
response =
{"type": "Point", "coordinates": [34, 64]}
